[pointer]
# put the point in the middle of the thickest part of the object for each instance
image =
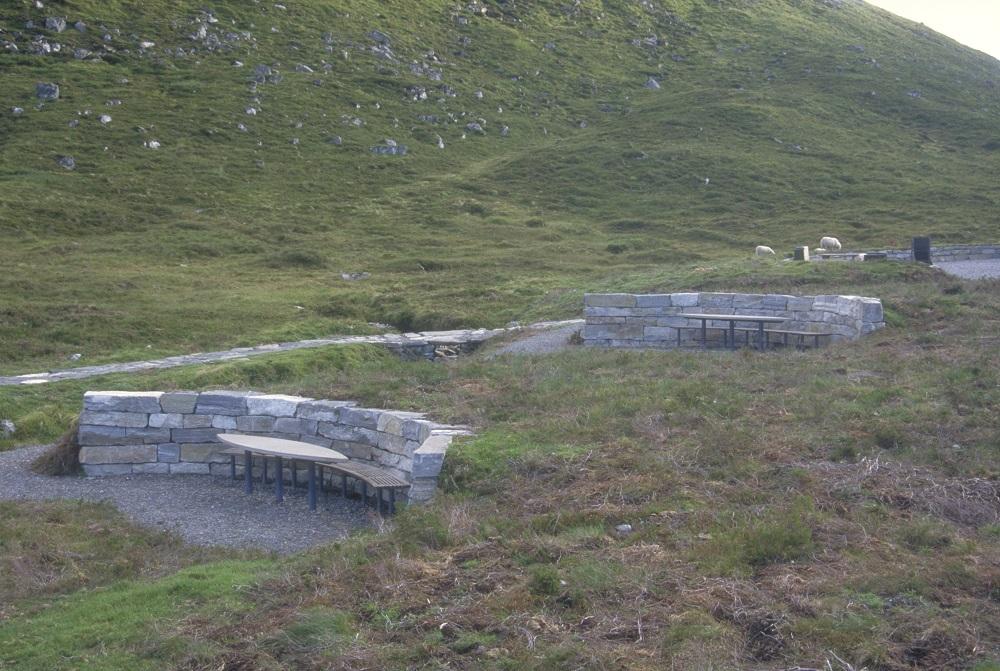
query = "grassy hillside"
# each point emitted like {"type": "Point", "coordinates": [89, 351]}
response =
{"type": "Point", "coordinates": [776, 122]}
{"type": "Point", "coordinates": [787, 509]}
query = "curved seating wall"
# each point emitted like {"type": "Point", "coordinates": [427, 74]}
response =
{"type": "Point", "coordinates": [651, 320]}
{"type": "Point", "coordinates": [177, 432]}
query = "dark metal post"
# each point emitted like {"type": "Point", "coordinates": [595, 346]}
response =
{"type": "Point", "coordinates": [232, 466]}
{"type": "Point", "coordinates": [922, 249]}
{"type": "Point", "coordinates": [279, 482]}
{"type": "Point", "coordinates": [295, 474]}
{"type": "Point", "coordinates": [343, 485]}
{"type": "Point", "coordinates": [704, 333]}
{"type": "Point", "coordinates": [392, 501]}
{"type": "Point", "coordinates": [312, 485]}
{"type": "Point", "coordinates": [760, 336]}
{"type": "Point", "coordinates": [263, 473]}
{"type": "Point", "coordinates": [248, 472]}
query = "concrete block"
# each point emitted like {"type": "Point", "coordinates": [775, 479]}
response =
{"type": "Point", "coordinates": [255, 424]}
{"type": "Point", "coordinates": [653, 301]}
{"type": "Point", "coordinates": [290, 425]}
{"type": "Point", "coordinates": [609, 300]}
{"type": "Point", "coordinates": [169, 453]}
{"type": "Point", "coordinates": [117, 454]}
{"type": "Point", "coordinates": [104, 470]}
{"type": "Point", "coordinates": [124, 419]}
{"type": "Point", "coordinates": [123, 401]}
{"type": "Point", "coordinates": [196, 421]}
{"type": "Point", "coordinates": [225, 422]}
{"type": "Point", "coordinates": [180, 402]}
{"type": "Point", "coordinates": [190, 469]}
{"type": "Point", "coordinates": [149, 436]}
{"type": "Point", "coordinates": [194, 435]}
{"type": "Point", "coordinates": [150, 469]}
{"type": "Point", "coordinates": [222, 403]}
{"type": "Point", "coordinates": [170, 420]}
{"type": "Point", "coordinates": [322, 411]}
{"type": "Point", "coordinates": [276, 405]}
{"type": "Point", "coordinates": [203, 453]}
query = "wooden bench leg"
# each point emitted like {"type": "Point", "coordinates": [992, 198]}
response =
{"type": "Point", "coordinates": [248, 472]}
{"type": "Point", "coordinates": [279, 481]}
{"type": "Point", "coordinates": [312, 485]}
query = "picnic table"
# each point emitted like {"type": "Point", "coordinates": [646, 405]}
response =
{"type": "Point", "coordinates": [759, 320]}
{"type": "Point", "coordinates": [280, 449]}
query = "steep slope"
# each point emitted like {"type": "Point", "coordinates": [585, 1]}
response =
{"type": "Point", "coordinates": [246, 164]}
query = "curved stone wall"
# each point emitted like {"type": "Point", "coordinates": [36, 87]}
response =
{"type": "Point", "coordinates": [177, 432]}
{"type": "Point", "coordinates": [651, 320]}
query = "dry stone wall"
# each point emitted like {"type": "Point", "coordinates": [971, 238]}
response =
{"type": "Point", "coordinates": [652, 320]}
{"type": "Point", "coordinates": [942, 254]}
{"type": "Point", "coordinates": [177, 432]}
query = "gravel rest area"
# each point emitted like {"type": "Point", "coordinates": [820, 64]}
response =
{"type": "Point", "coordinates": [540, 340]}
{"type": "Point", "coordinates": [203, 510]}
{"type": "Point", "coordinates": [972, 270]}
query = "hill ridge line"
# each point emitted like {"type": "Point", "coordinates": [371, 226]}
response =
{"type": "Point", "coordinates": [453, 337]}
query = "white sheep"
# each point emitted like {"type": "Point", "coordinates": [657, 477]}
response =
{"type": "Point", "coordinates": [830, 244]}
{"type": "Point", "coordinates": [764, 251]}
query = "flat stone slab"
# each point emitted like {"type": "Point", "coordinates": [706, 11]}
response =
{"type": "Point", "coordinates": [279, 447]}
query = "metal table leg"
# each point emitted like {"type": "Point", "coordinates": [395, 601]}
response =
{"type": "Point", "coordinates": [279, 481]}
{"type": "Point", "coordinates": [232, 466]}
{"type": "Point", "coordinates": [248, 472]}
{"type": "Point", "coordinates": [732, 335]}
{"type": "Point", "coordinates": [760, 336]}
{"type": "Point", "coordinates": [312, 485]}
{"type": "Point", "coordinates": [704, 333]}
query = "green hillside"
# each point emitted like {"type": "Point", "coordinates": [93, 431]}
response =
{"type": "Point", "coordinates": [776, 122]}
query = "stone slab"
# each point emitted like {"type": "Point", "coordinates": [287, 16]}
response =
{"type": "Point", "coordinates": [275, 405]}
{"type": "Point", "coordinates": [180, 402]}
{"type": "Point", "coordinates": [222, 403]}
{"type": "Point", "coordinates": [203, 453]}
{"type": "Point", "coordinates": [123, 401]}
{"type": "Point", "coordinates": [170, 420]}
{"type": "Point", "coordinates": [123, 419]}
{"type": "Point", "coordinates": [117, 454]}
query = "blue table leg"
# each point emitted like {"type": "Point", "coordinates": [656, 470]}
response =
{"type": "Point", "coordinates": [263, 473]}
{"type": "Point", "coordinates": [279, 482]}
{"type": "Point", "coordinates": [312, 486]}
{"type": "Point", "coordinates": [232, 466]}
{"type": "Point", "coordinates": [248, 472]}
{"type": "Point", "coordinates": [295, 475]}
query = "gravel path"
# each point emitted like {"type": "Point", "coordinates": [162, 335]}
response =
{"type": "Point", "coordinates": [972, 270]}
{"type": "Point", "coordinates": [540, 340]}
{"type": "Point", "coordinates": [405, 341]}
{"type": "Point", "coordinates": [203, 510]}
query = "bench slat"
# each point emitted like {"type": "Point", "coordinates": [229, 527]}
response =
{"type": "Point", "coordinates": [373, 475]}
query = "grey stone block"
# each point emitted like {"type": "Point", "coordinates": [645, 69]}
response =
{"type": "Point", "coordinates": [290, 425]}
{"type": "Point", "coordinates": [323, 411]}
{"type": "Point", "coordinates": [317, 440]}
{"type": "Point", "coordinates": [197, 421]}
{"type": "Point", "coordinates": [149, 436]}
{"type": "Point", "coordinates": [124, 419]}
{"type": "Point", "coordinates": [203, 453]}
{"type": "Point", "coordinates": [222, 403]}
{"type": "Point", "coordinates": [150, 469]}
{"type": "Point", "coordinates": [276, 405]}
{"type": "Point", "coordinates": [117, 454]}
{"type": "Point", "coordinates": [194, 435]}
{"type": "Point", "coordinates": [605, 320]}
{"type": "Point", "coordinates": [609, 300]}
{"type": "Point", "coordinates": [716, 300]}
{"type": "Point", "coordinates": [166, 420]}
{"type": "Point", "coordinates": [746, 300]}
{"type": "Point", "coordinates": [392, 443]}
{"type": "Point", "coordinates": [872, 310]}
{"type": "Point", "coordinates": [418, 430]}
{"type": "Point", "coordinates": [685, 300]}
{"type": "Point", "coordinates": [653, 301]}
{"type": "Point", "coordinates": [613, 332]}
{"type": "Point", "coordinates": [801, 303]}
{"type": "Point", "coordinates": [255, 423]}
{"type": "Point", "coordinates": [659, 333]}
{"type": "Point", "coordinates": [390, 423]}
{"type": "Point", "coordinates": [105, 435]}
{"type": "Point", "coordinates": [421, 490]}
{"type": "Point", "coordinates": [188, 469]}
{"type": "Point", "coordinates": [351, 434]}
{"type": "Point", "coordinates": [122, 401]}
{"type": "Point", "coordinates": [590, 312]}
{"type": "Point", "coordinates": [360, 417]}
{"type": "Point", "coordinates": [168, 453]}
{"type": "Point", "coordinates": [225, 422]}
{"type": "Point", "coordinates": [104, 470]}
{"type": "Point", "coordinates": [353, 450]}
{"type": "Point", "coordinates": [180, 402]}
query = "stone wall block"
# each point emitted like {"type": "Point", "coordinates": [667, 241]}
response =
{"type": "Point", "coordinates": [180, 402]}
{"type": "Point", "coordinates": [255, 423]}
{"type": "Point", "coordinates": [104, 435]}
{"type": "Point", "coordinates": [117, 454]}
{"type": "Point", "coordinates": [683, 300]}
{"type": "Point", "coordinates": [104, 470]}
{"type": "Point", "coordinates": [872, 310]}
{"type": "Point", "coordinates": [168, 420]}
{"type": "Point", "coordinates": [417, 429]}
{"type": "Point", "coordinates": [322, 411]}
{"type": "Point", "coordinates": [589, 312]}
{"type": "Point", "coordinates": [196, 421]}
{"type": "Point", "coordinates": [276, 405]}
{"type": "Point", "coordinates": [653, 301]}
{"type": "Point", "coordinates": [224, 422]}
{"type": "Point", "coordinates": [659, 333]}
{"type": "Point", "coordinates": [222, 403]}
{"type": "Point", "coordinates": [316, 440]}
{"type": "Point", "coordinates": [190, 469]}
{"type": "Point", "coordinates": [169, 453]}
{"type": "Point", "coordinates": [609, 300]}
{"type": "Point", "coordinates": [392, 443]}
{"type": "Point", "coordinates": [291, 425]}
{"type": "Point", "coordinates": [203, 453]}
{"type": "Point", "coordinates": [149, 436]}
{"type": "Point", "coordinates": [150, 469]}
{"type": "Point", "coordinates": [194, 435]}
{"type": "Point", "coordinates": [123, 401]}
{"type": "Point", "coordinates": [124, 419]}
{"type": "Point", "coordinates": [625, 331]}
{"type": "Point", "coordinates": [364, 418]}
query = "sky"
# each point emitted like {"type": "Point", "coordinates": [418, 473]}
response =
{"type": "Point", "coordinates": [975, 23]}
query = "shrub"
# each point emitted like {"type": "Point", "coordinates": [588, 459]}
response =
{"type": "Point", "coordinates": [63, 458]}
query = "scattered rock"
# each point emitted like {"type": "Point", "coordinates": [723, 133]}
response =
{"type": "Point", "coordinates": [146, 44]}
{"type": "Point", "coordinates": [241, 128]}
{"type": "Point", "coordinates": [475, 128]}
{"type": "Point", "coordinates": [479, 94]}
{"type": "Point", "coordinates": [47, 91]}
{"type": "Point", "coordinates": [623, 529]}
{"type": "Point", "coordinates": [105, 119]}
{"type": "Point", "coordinates": [66, 162]}
{"type": "Point", "coordinates": [80, 54]}
{"type": "Point", "coordinates": [295, 141]}
{"type": "Point", "coordinates": [389, 150]}
{"type": "Point", "coordinates": [80, 26]}
{"type": "Point", "coordinates": [505, 131]}
{"type": "Point", "coordinates": [115, 102]}
{"type": "Point", "coordinates": [17, 111]}
{"type": "Point", "coordinates": [652, 84]}
{"type": "Point", "coordinates": [251, 111]}
{"type": "Point", "coordinates": [7, 427]}
{"type": "Point", "coordinates": [380, 37]}
{"type": "Point", "coordinates": [354, 277]}
{"type": "Point", "coordinates": [440, 142]}
{"type": "Point", "coordinates": [302, 67]}
{"type": "Point", "coordinates": [583, 123]}
{"type": "Point", "coordinates": [151, 144]}
{"type": "Point", "coordinates": [55, 24]}
{"type": "Point", "coordinates": [73, 123]}
{"type": "Point", "coordinates": [336, 140]}
{"type": "Point", "coordinates": [75, 356]}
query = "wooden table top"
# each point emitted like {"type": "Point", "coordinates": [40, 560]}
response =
{"type": "Point", "coordinates": [735, 318]}
{"type": "Point", "coordinates": [279, 447]}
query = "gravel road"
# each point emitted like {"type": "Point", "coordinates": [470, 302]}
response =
{"type": "Point", "coordinates": [972, 270]}
{"type": "Point", "coordinates": [203, 510]}
{"type": "Point", "coordinates": [539, 340]}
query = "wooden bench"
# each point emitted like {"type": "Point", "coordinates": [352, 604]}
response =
{"type": "Point", "coordinates": [800, 336]}
{"type": "Point", "coordinates": [372, 476]}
